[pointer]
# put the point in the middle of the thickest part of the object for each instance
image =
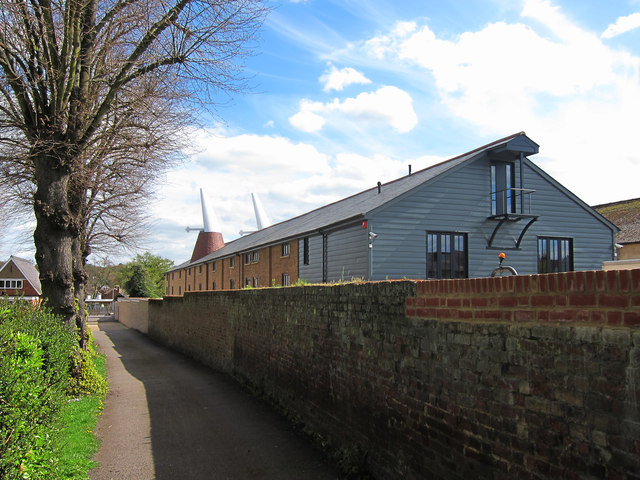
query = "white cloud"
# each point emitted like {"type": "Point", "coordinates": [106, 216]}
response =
{"type": "Point", "coordinates": [386, 106]}
{"type": "Point", "coordinates": [336, 79]}
{"type": "Point", "coordinates": [569, 91]}
{"type": "Point", "coordinates": [622, 25]}
{"type": "Point", "coordinates": [291, 178]}
{"type": "Point", "coordinates": [306, 120]}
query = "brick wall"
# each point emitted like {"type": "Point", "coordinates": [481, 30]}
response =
{"type": "Point", "coordinates": [268, 270]}
{"type": "Point", "coordinates": [133, 312]}
{"type": "Point", "coordinates": [517, 377]}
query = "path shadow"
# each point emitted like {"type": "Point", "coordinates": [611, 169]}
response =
{"type": "Point", "coordinates": [204, 425]}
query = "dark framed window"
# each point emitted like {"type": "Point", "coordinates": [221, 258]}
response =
{"type": "Point", "coordinates": [447, 255]}
{"type": "Point", "coordinates": [247, 258]}
{"type": "Point", "coordinates": [213, 266]}
{"type": "Point", "coordinates": [232, 283]}
{"type": "Point", "coordinates": [247, 282]}
{"type": "Point", "coordinates": [232, 262]}
{"type": "Point", "coordinates": [286, 280]}
{"type": "Point", "coordinates": [503, 182]}
{"type": "Point", "coordinates": [555, 254]}
{"type": "Point", "coordinates": [286, 248]}
{"type": "Point", "coordinates": [305, 250]}
{"type": "Point", "coordinates": [200, 269]}
{"type": "Point", "coordinates": [213, 286]}
{"type": "Point", "coordinates": [256, 256]}
{"type": "Point", "coordinates": [11, 284]}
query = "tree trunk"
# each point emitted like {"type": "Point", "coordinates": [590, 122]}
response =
{"type": "Point", "coordinates": [54, 234]}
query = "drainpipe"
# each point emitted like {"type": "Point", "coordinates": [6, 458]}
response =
{"type": "Point", "coordinates": [521, 183]}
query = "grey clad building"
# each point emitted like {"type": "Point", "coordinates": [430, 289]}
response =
{"type": "Point", "coordinates": [450, 220]}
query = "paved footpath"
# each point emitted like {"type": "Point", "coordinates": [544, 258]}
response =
{"type": "Point", "coordinates": [169, 418]}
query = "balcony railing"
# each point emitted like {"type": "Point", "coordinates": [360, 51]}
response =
{"type": "Point", "coordinates": [508, 201]}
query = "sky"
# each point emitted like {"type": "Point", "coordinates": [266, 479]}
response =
{"type": "Point", "coordinates": [347, 93]}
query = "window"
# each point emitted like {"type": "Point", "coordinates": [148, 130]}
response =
{"type": "Point", "coordinates": [232, 283]}
{"type": "Point", "coordinates": [172, 275]}
{"type": "Point", "coordinates": [200, 286]}
{"type": "Point", "coordinates": [446, 255]}
{"type": "Point", "coordinates": [247, 282]}
{"type": "Point", "coordinates": [555, 255]}
{"type": "Point", "coordinates": [1, 283]}
{"type": "Point", "coordinates": [503, 199]}
{"type": "Point", "coordinates": [232, 263]}
{"type": "Point", "coordinates": [247, 258]}
{"type": "Point", "coordinates": [179, 290]}
{"type": "Point", "coordinates": [286, 281]}
{"type": "Point", "coordinates": [213, 286]}
{"type": "Point", "coordinates": [200, 269]}
{"type": "Point", "coordinates": [213, 267]}
{"type": "Point", "coordinates": [305, 250]}
{"type": "Point", "coordinates": [286, 248]}
{"type": "Point", "coordinates": [180, 274]}
{"type": "Point", "coordinates": [256, 256]}
{"type": "Point", "coordinates": [189, 271]}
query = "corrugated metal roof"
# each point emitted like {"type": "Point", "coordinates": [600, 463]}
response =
{"type": "Point", "coordinates": [345, 210]}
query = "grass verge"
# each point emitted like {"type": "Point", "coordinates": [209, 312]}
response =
{"type": "Point", "coordinates": [79, 443]}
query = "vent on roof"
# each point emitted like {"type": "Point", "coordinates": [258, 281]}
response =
{"type": "Point", "coordinates": [409, 169]}
{"type": "Point", "coordinates": [379, 187]}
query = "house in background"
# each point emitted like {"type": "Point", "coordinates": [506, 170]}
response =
{"type": "Point", "coordinates": [20, 279]}
{"type": "Point", "coordinates": [449, 220]}
{"type": "Point", "coordinates": [626, 215]}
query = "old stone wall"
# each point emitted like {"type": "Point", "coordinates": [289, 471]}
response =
{"type": "Point", "coordinates": [518, 377]}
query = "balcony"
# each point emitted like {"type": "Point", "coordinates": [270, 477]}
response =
{"type": "Point", "coordinates": [511, 205]}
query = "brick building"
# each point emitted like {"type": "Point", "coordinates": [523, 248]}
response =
{"type": "Point", "coordinates": [20, 279]}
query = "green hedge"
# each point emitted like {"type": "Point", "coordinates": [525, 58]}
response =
{"type": "Point", "coordinates": [35, 353]}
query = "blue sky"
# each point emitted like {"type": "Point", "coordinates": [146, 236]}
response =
{"type": "Point", "coordinates": [346, 93]}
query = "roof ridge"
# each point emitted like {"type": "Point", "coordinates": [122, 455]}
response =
{"type": "Point", "coordinates": [484, 147]}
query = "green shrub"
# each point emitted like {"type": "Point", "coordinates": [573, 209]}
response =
{"type": "Point", "coordinates": [35, 352]}
{"type": "Point", "coordinates": [90, 381]}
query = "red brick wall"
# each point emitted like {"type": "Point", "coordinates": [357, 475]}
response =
{"type": "Point", "coordinates": [592, 297]}
{"type": "Point", "coordinates": [268, 270]}
{"type": "Point", "coordinates": [526, 377]}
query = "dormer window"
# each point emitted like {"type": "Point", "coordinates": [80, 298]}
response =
{"type": "Point", "coordinates": [503, 198]}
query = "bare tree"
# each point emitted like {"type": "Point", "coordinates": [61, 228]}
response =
{"type": "Point", "coordinates": [93, 94]}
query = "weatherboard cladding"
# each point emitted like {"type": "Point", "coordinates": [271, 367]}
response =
{"type": "Point", "coordinates": [346, 210]}
{"type": "Point", "coordinates": [346, 254]}
{"type": "Point", "coordinates": [460, 202]}
{"type": "Point", "coordinates": [312, 272]}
